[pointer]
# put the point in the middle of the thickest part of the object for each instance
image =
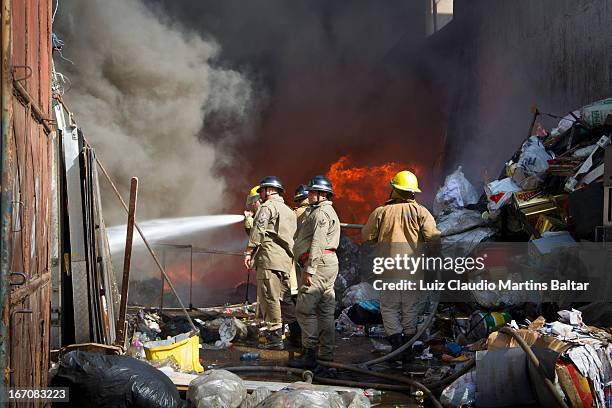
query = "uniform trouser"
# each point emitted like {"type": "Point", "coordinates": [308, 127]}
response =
{"type": "Point", "coordinates": [288, 301]}
{"type": "Point", "coordinates": [272, 288]}
{"type": "Point", "coordinates": [315, 311]}
{"type": "Point", "coordinates": [401, 310]}
{"type": "Point", "coordinates": [293, 281]}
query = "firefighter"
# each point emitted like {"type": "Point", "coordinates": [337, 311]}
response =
{"type": "Point", "coordinates": [401, 224]}
{"type": "Point", "coordinates": [315, 248]}
{"type": "Point", "coordinates": [270, 251]}
{"type": "Point", "coordinates": [253, 201]}
{"type": "Point", "coordinates": [300, 198]}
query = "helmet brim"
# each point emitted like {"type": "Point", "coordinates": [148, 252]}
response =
{"type": "Point", "coordinates": [411, 190]}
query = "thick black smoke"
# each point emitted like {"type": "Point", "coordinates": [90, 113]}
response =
{"type": "Point", "coordinates": [331, 78]}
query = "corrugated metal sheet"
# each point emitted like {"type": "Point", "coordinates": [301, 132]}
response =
{"type": "Point", "coordinates": [33, 152]}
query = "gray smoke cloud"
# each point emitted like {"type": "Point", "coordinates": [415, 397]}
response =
{"type": "Point", "coordinates": [141, 89]}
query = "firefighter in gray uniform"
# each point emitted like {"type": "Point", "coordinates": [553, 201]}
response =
{"type": "Point", "coordinates": [315, 249]}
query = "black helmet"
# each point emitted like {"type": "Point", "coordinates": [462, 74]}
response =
{"type": "Point", "coordinates": [300, 193]}
{"type": "Point", "coordinates": [271, 181]}
{"type": "Point", "coordinates": [320, 183]}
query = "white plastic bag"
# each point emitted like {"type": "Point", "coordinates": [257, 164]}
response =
{"type": "Point", "coordinates": [565, 123]}
{"type": "Point", "coordinates": [463, 244]}
{"type": "Point", "coordinates": [457, 192]}
{"type": "Point", "coordinates": [216, 389]}
{"type": "Point", "coordinates": [499, 192]}
{"type": "Point", "coordinates": [303, 398]}
{"type": "Point", "coordinates": [459, 221]}
{"type": "Point", "coordinates": [461, 392]}
{"type": "Point", "coordinates": [532, 164]}
{"type": "Point", "coordinates": [257, 397]}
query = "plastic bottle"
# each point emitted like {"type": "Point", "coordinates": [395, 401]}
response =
{"type": "Point", "coordinates": [373, 395]}
{"type": "Point", "coordinates": [136, 350]}
{"type": "Point", "coordinates": [249, 356]}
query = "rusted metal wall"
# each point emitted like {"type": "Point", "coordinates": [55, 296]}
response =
{"type": "Point", "coordinates": [31, 151]}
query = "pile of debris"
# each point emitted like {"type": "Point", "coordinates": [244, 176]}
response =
{"type": "Point", "coordinates": [551, 190]}
{"type": "Point", "coordinates": [574, 358]}
{"type": "Point", "coordinates": [552, 183]}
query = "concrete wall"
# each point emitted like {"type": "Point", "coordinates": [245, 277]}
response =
{"type": "Point", "coordinates": [497, 58]}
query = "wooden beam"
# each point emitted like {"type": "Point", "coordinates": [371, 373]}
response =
{"type": "Point", "coordinates": [127, 257]}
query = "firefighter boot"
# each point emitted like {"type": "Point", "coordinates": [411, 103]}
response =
{"type": "Point", "coordinates": [295, 335]}
{"type": "Point", "coordinates": [408, 357]}
{"type": "Point", "coordinates": [396, 340]}
{"type": "Point", "coordinates": [274, 340]}
{"type": "Point", "coordinates": [307, 360]}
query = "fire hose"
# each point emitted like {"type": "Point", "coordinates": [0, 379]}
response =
{"type": "Point", "coordinates": [396, 378]}
{"type": "Point", "coordinates": [308, 376]}
{"type": "Point", "coordinates": [405, 346]}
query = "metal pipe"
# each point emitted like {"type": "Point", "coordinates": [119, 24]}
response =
{"type": "Point", "coordinates": [346, 225]}
{"type": "Point", "coordinates": [127, 258]}
{"type": "Point", "coordinates": [409, 343]}
{"type": "Point", "coordinates": [190, 277]}
{"type": "Point", "coordinates": [397, 378]}
{"type": "Point", "coordinates": [216, 251]}
{"type": "Point", "coordinates": [534, 360]}
{"type": "Point", "coordinates": [163, 283]}
{"type": "Point", "coordinates": [6, 166]}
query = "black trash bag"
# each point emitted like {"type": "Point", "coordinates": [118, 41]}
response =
{"type": "Point", "coordinates": [360, 315]}
{"type": "Point", "coordinates": [175, 326]}
{"type": "Point", "coordinates": [98, 380]}
{"type": "Point", "coordinates": [179, 324]}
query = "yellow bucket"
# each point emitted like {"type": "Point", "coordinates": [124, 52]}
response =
{"type": "Point", "coordinates": [186, 352]}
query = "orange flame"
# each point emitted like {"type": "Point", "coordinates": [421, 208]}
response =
{"type": "Point", "coordinates": [358, 190]}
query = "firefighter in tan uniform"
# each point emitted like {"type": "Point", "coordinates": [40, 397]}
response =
{"type": "Point", "coordinates": [253, 201]}
{"type": "Point", "coordinates": [300, 199]}
{"type": "Point", "coordinates": [403, 222]}
{"type": "Point", "coordinates": [270, 251]}
{"type": "Point", "coordinates": [315, 248]}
